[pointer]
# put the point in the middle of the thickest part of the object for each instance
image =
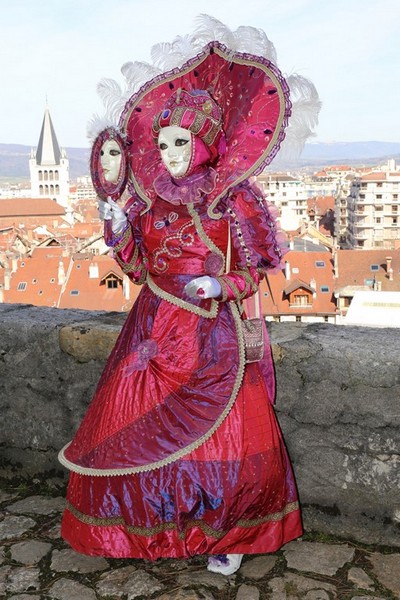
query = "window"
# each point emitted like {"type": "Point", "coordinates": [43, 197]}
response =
{"type": "Point", "coordinates": [265, 294]}
{"type": "Point", "coordinates": [324, 289]}
{"type": "Point", "coordinates": [378, 220]}
{"type": "Point", "coordinates": [394, 222]}
{"type": "Point", "coordinates": [34, 280]}
{"type": "Point", "coordinates": [378, 207]}
{"type": "Point", "coordinates": [52, 280]}
{"type": "Point", "coordinates": [319, 263]}
{"type": "Point", "coordinates": [74, 293]}
{"type": "Point", "coordinates": [21, 286]}
{"type": "Point", "coordinates": [301, 299]}
{"type": "Point", "coordinates": [298, 319]}
{"type": "Point", "coordinates": [111, 282]}
{"type": "Point", "coordinates": [379, 196]}
{"type": "Point", "coordinates": [374, 267]}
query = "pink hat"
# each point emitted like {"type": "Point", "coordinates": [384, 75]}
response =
{"type": "Point", "coordinates": [226, 97]}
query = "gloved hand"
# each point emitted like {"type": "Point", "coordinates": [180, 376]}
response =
{"type": "Point", "coordinates": [203, 287]}
{"type": "Point", "coordinates": [110, 211]}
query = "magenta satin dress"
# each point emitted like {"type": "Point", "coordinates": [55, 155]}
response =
{"type": "Point", "coordinates": [180, 452]}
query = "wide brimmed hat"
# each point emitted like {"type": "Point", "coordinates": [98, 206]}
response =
{"type": "Point", "coordinates": [252, 96]}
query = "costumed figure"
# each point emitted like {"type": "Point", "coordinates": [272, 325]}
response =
{"type": "Point", "coordinates": [180, 453]}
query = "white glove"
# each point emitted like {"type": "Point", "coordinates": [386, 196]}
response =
{"type": "Point", "coordinates": [203, 287]}
{"type": "Point", "coordinates": [110, 211]}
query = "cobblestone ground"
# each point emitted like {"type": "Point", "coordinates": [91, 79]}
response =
{"type": "Point", "coordinates": [35, 563]}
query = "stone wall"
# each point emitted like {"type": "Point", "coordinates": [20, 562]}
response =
{"type": "Point", "coordinates": [338, 404]}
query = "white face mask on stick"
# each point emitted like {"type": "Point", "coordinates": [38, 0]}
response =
{"type": "Point", "coordinates": [175, 144]}
{"type": "Point", "coordinates": [110, 158]}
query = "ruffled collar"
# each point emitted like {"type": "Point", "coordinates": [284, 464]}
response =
{"type": "Point", "coordinates": [186, 190]}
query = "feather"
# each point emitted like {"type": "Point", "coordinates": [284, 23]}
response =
{"type": "Point", "coordinates": [136, 74]}
{"type": "Point", "coordinates": [96, 125]}
{"type": "Point", "coordinates": [209, 29]}
{"type": "Point", "coordinates": [255, 41]}
{"type": "Point", "coordinates": [109, 92]}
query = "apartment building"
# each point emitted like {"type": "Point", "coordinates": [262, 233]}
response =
{"type": "Point", "coordinates": [374, 211]}
{"type": "Point", "coordinates": [289, 195]}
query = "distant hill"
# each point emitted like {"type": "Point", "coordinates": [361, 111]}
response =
{"type": "Point", "coordinates": [336, 151]}
{"type": "Point", "coordinates": [14, 157]}
{"type": "Point", "coordinates": [14, 161]}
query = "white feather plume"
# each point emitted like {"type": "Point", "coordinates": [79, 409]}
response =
{"type": "Point", "coordinates": [210, 29]}
{"type": "Point", "coordinates": [170, 55]}
{"type": "Point", "coordinates": [136, 74]}
{"type": "Point", "coordinates": [254, 41]}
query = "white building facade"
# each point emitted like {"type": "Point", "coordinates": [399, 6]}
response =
{"type": "Point", "coordinates": [374, 211]}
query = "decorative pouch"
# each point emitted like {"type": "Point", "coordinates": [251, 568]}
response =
{"type": "Point", "coordinates": [253, 334]}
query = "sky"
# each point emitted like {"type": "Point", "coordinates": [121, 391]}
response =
{"type": "Point", "coordinates": [58, 50]}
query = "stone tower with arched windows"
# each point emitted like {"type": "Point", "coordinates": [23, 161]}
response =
{"type": "Point", "coordinates": [49, 166]}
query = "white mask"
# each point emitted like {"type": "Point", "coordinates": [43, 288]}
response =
{"type": "Point", "coordinates": [175, 144]}
{"type": "Point", "coordinates": [110, 158]}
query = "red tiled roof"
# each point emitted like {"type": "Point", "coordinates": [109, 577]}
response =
{"type": "Point", "coordinates": [339, 168]}
{"type": "Point", "coordinates": [355, 268]}
{"type": "Point", "coordinates": [25, 207]}
{"type": "Point", "coordinates": [81, 291]}
{"type": "Point", "coordinates": [321, 204]}
{"type": "Point", "coordinates": [40, 274]}
{"type": "Point", "coordinates": [305, 263]}
{"type": "Point", "coordinates": [377, 176]}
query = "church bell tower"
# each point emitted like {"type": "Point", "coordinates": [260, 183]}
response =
{"type": "Point", "coordinates": [49, 166]}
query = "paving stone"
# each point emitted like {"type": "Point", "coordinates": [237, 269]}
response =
{"type": "Point", "coordinates": [141, 583]}
{"type": "Point", "coordinates": [317, 595]}
{"type": "Point", "coordinates": [170, 564]}
{"type": "Point", "coordinates": [29, 552]}
{"type": "Point", "coordinates": [387, 569]}
{"type": "Point", "coordinates": [248, 592]}
{"type": "Point", "coordinates": [257, 568]}
{"type": "Point", "coordinates": [23, 579]}
{"type": "Point", "coordinates": [6, 496]}
{"type": "Point", "coordinates": [38, 505]}
{"type": "Point", "coordinates": [204, 578]}
{"type": "Point", "coordinates": [112, 583]}
{"type": "Point", "coordinates": [200, 594]}
{"type": "Point", "coordinates": [67, 589]}
{"type": "Point", "coordinates": [13, 527]}
{"type": "Point", "coordinates": [4, 574]}
{"type": "Point", "coordinates": [367, 598]}
{"type": "Point", "coordinates": [25, 597]}
{"type": "Point", "coordinates": [293, 585]}
{"type": "Point", "coordinates": [128, 581]}
{"type": "Point", "coordinates": [54, 533]}
{"type": "Point", "coordinates": [360, 579]}
{"type": "Point", "coordinates": [69, 560]}
{"type": "Point", "coordinates": [314, 557]}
